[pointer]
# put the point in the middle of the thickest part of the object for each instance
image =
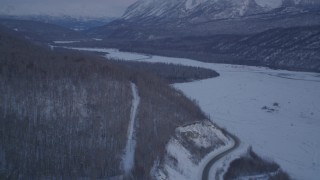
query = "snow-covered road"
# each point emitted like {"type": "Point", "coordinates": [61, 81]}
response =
{"type": "Point", "coordinates": [215, 159]}
{"type": "Point", "coordinates": [128, 158]}
{"type": "Point", "coordinates": [277, 112]}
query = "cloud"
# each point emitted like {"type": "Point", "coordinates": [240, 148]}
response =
{"type": "Point", "coordinates": [95, 8]}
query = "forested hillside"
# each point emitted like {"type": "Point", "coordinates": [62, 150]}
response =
{"type": "Point", "coordinates": [61, 115]}
{"type": "Point", "coordinates": [294, 48]}
{"type": "Point", "coordinates": [66, 115]}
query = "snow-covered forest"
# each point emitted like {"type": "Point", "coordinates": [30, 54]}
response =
{"type": "Point", "coordinates": [66, 115]}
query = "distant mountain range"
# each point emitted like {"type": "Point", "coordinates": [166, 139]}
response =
{"type": "Point", "coordinates": [204, 10]}
{"type": "Point", "coordinates": [148, 19]}
{"type": "Point", "coordinates": [74, 23]}
{"type": "Point", "coordinates": [40, 31]}
{"type": "Point", "coordinates": [224, 31]}
{"type": "Point", "coordinates": [192, 10]}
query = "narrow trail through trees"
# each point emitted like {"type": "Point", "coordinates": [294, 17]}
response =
{"type": "Point", "coordinates": [128, 158]}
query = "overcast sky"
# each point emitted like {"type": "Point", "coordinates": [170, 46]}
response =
{"type": "Point", "coordinates": [93, 8]}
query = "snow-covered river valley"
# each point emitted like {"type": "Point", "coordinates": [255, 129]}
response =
{"type": "Point", "coordinates": [277, 112]}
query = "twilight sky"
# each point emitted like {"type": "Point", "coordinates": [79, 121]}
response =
{"type": "Point", "coordinates": [91, 8]}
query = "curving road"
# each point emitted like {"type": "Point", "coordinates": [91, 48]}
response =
{"type": "Point", "coordinates": [206, 170]}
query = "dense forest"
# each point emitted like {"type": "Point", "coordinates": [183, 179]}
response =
{"type": "Point", "coordinates": [172, 73]}
{"type": "Point", "coordinates": [66, 115]}
{"type": "Point", "coordinates": [61, 115]}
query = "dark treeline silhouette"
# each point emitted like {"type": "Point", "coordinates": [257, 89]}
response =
{"type": "Point", "coordinates": [65, 115]}
{"type": "Point", "coordinates": [251, 165]}
{"type": "Point", "coordinates": [173, 73]}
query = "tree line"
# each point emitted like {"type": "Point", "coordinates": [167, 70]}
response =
{"type": "Point", "coordinates": [66, 114]}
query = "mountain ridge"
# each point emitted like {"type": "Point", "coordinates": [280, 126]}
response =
{"type": "Point", "coordinates": [147, 19]}
{"type": "Point", "coordinates": [191, 8]}
{"type": "Point", "coordinates": [151, 34]}
{"type": "Point", "coordinates": [210, 9]}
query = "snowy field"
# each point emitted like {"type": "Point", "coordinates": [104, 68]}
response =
{"type": "Point", "coordinates": [275, 111]}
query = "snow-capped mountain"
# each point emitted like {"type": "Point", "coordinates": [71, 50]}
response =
{"type": "Point", "coordinates": [208, 30]}
{"type": "Point", "coordinates": [192, 9]}
{"type": "Point", "coordinates": [204, 9]}
{"type": "Point", "coordinates": [156, 19]}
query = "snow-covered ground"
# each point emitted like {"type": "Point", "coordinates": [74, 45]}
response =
{"type": "Point", "coordinates": [289, 134]}
{"type": "Point", "coordinates": [275, 111]}
{"type": "Point", "coordinates": [128, 158]}
{"type": "Point", "coordinates": [180, 163]}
